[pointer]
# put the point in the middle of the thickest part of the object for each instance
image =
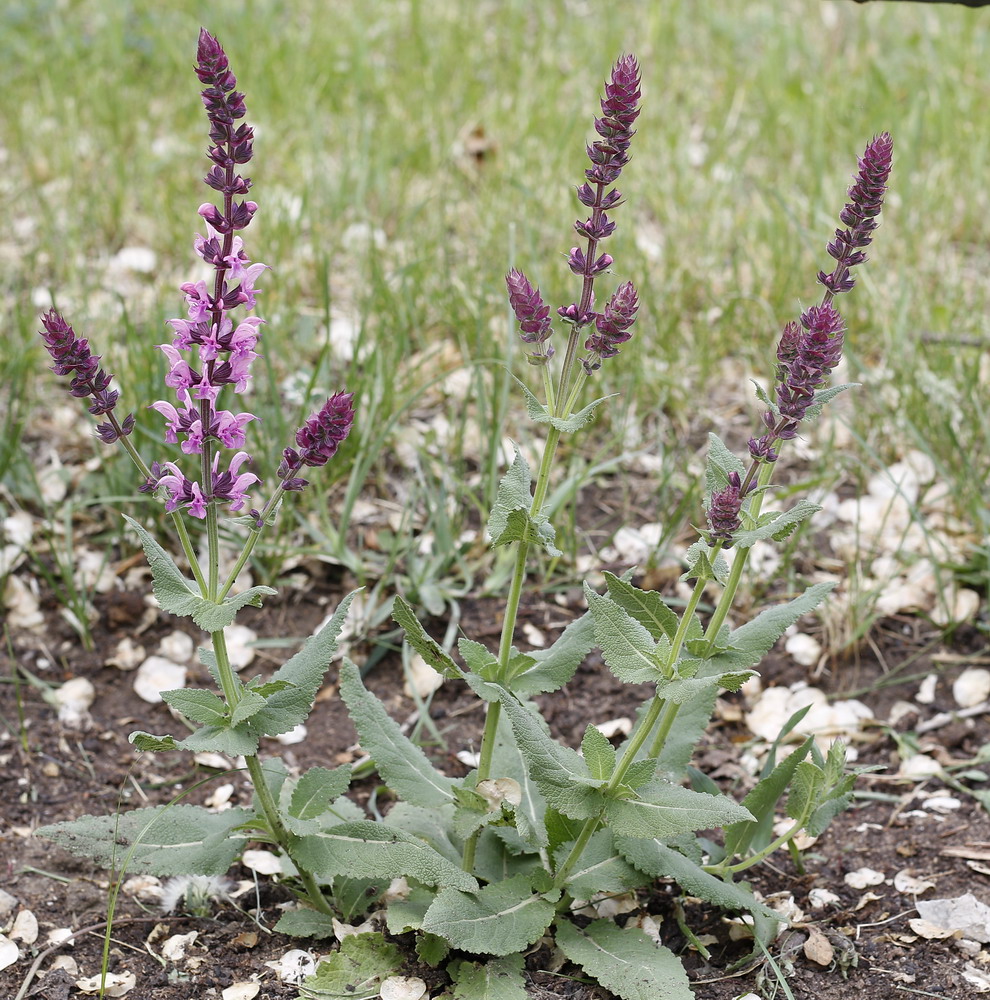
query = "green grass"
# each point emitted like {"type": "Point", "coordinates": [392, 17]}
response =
{"type": "Point", "coordinates": [754, 114]}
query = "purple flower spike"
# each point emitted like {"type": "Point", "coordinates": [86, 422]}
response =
{"type": "Point", "coordinates": [613, 326]}
{"type": "Point", "coordinates": [72, 356]}
{"type": "Point", "coordinates": [532, 314]}
{"type": "Point", "coordinates": [860, 214]}
{"type": "Point", "coordinates": [723, 512]}
{"type": "Point", "coordinates": [608, 155]}
{"type": "Point", "coordinates": [318, 439]}
{"type": "Point", "coordinates": [809, 351]}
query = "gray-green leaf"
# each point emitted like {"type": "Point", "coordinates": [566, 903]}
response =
{"type": "Point", "coordinates": [664, 810]}
{"type": "Point", "coordinates": [499, 919]}
{"type": "Point", "coordinates": [160, 840]}
{"type": "Point", "coordinates": [627, 646]}
{"type": "Point", "coordinates": [496, 979]}
{"type": "Point", "coordinates": [374, 850]}
{"type": "Point", "coordinates": [400, 762]}
{"type": "Point", "coordinates": [625, 961]}
{"type": "Point", "coordinates": [356, 971]}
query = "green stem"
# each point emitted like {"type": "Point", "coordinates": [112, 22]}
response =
{"type": "Point", "coordinates": [250, 542]}
{"type": "Point", "coordinates": [755, 859]}
{"type": "Point", "coordinates": [313, 891]}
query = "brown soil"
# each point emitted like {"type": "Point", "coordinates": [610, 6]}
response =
{"type": "Point", "coordinates": [63, 774]}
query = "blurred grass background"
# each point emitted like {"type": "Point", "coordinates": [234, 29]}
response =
{"type": "Point", "coordinates": [408, 153]}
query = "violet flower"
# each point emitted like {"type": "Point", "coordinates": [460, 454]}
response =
{"type": "Point", "coordinates": [608, 155]}
{"type": "Point", "coordinates": [209, 349]}
{"type": "Point", "coordinates": [72, 356]}
{"type": "Point", "coordinates": [809, 351]}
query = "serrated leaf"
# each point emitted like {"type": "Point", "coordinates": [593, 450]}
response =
{"type": "Point", "coordinates": [778, 525]}
{"type": "Point", "coordinates": [521, 527]}
{"type": "Point", "coordinates": [166, 840]}
{"type": "Point", "coordinates": [304, 673]}
{"type": "Point", "coordinates": [764, 398]}
{"type": "Point", "coordinates": [316, 789]}
{"type": "Point", "coordinates": [661, 861]}
{"type": "Point", "coordinates": [600, 868]}
{"type": "Point", "coordinates": [496, 979]}
{"type": "Point", "coordinates": [598, 753]}
{"type": "Point", "coordinates": [624, 961]}
{"type": "Point", "coordinates": [665, 810]}
{"type": "Point", "coordinates": [760, 801]}
{"type": "Point", "coordinates": [499, 919]}
{"type": "Point", "coordinates": [824, 396]}
{"type": "Point", "coordinates": [305, 922]}
{"type": "Point", "coordinates": [479, 659]}
{"type": "Point", "coordinates": [700, 565]}
{"type": "Point", "coordinates": [574, 422]}
{"type": "Point", "coordinates": [721, 462]}
{"type": "Point", "coordinates": [434, 825]}
{"type": "Point", "coordinates": [559, 772]}
{"type": "Point", "coordinates": [431, 949]}
{"type": "Point", "coordinates": [646, 606]}
{"type": "Point", "coordinates": [249, 705]}
{"type": "Point", "coordinates": [427, 647]}
{"type": "Point", "coordinates": [155, 744]}
{"type": "Point", "coordinates": [356, 971]}
{"type": "Point", "coordinates": [751, 642]}
{"type": "Point", "coordinates": [513, 495]}
{"type": "Point", "coordinates": [404, 915]}
{"type": "Point", "coordinates": [373, 850]}
{"type": "Point", "coordinates": [805, 787]}
{"type": "Point", "coordinates": [508, 762]}
{"type": "Point", "coordinates": [180, 596]}
{"type": "Point", "coordinates": [495, 860]}
{"type": "Point", "coordinates": [552, 668]}
{"type": "Point", "coordinates": [221, 739]}
{"type": "Point", "coordinates": [213, 617]}
{"type": "Point", "coordinates": [400, 762]}
{"type": "Point", "coordinates": [627, 646]}
{"type": "Point", "coordinates": [679, 690]}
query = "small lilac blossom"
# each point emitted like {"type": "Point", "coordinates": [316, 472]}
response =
{"type": "Point", "coordinates": [723, 512]}
{"type": "Point", "coordinates": [72, 356]}
{"type": "Point", "coordinates": [809, 351]}
{"type": "Point", "coordinates": [612, 327]}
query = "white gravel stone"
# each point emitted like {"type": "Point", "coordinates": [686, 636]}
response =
{"type": "Point", "coordinates": [155, 675]}
{"type": "Point", "coordinates": [972, 687]}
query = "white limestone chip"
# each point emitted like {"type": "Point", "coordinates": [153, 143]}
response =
{"type": "Point", "coordinates": [174, 948]}
{"type": "Point", "coordinates": [972, 687]}
{"type": "Point", "coordinates": [128, 655]}
{"type": "Point", "coordinates": [926, 690]}
{"type": "Point", "coordinates": [239, 649]}
{"type": "Point", "coordinates": [295, 735]}
{"type": "Point", "coordinates": [74, 699]}
{"type": "Point", "coordinates": [155, 675]}
{"type": "Point", "coordinates": [294, 966]}
{"type": "Point", "coordinates": [965, 914]}
{"type": "Point", "coordinates": [861, 878]}
{"type": "Point", "coordinates": [907, 882]}
{"type": "Point", "coordinates": [402, 988]}
{"type": "Point", "coordinates": [117, 984]}
{"type": "Point", "coordinates": [818, 899]}
{"type": "Point", "coordinates": [25, 928]}
{"type": "Point", "coordinates": [9, 952]}
{"type": "Point", "coordinates": [805, 649]}
{"type": "Point", "coordinates": [262, 862]}
{"type": "Point", "coordinates": [177, 647]}
{"type": "Point", "coordinates": [918, 767]}
{"type": "Point", "coordinates": [421, 679]}
{"type": "Point", "coordinates": [7, 903]}
{"type": "Point", "coordinates": [241, 991]}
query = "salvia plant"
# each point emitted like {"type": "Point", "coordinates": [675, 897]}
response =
{"type": "Point", "coordinates": [492, 862]}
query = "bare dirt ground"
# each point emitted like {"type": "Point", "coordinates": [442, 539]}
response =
{"type": "Point", "coordinates": [64, 773]}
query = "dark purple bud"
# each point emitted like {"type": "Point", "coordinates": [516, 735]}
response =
{"type": "Point", "coordinates": [860, 214]}
{"type": "Point", "coordinates": [532, 313]}
{"type": "Point", "coordinates": [572, 314]}
{"type": "Point", "coordinates": [322, 434]}
{"type": "Point", "coordinates": [723, 512]}
{"type": "Point", "coordinates": [612, 327]}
